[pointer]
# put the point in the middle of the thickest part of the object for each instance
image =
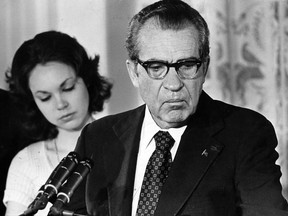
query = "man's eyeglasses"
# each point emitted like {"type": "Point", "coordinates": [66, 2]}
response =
{"type": "Point", "coordinates": [186, 69]}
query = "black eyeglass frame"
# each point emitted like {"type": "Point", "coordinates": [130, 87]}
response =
{"type": "Point", "coordinates": [176, 65]}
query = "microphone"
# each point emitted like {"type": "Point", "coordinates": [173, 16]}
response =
{"type": "Point", "coordinates": [67, 189]}
{"type": "Point", "coordinates": [48, 191]}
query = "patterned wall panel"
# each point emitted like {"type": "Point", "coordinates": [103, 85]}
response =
{"type": "Point", "coordinates": [281, 86]}
{"type": "Point", "coordinates": [249, 61]}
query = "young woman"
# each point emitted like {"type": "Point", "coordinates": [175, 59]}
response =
{"type": "Point", "coordinates": [57, 88]}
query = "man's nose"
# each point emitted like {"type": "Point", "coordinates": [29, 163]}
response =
{"type": "Point", "coordinates": [172, 81]}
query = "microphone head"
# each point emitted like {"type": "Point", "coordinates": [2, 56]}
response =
{"type": "Point", "coordinates": [70, 185]}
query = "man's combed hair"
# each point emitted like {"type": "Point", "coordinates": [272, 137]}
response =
{"type": "Point", "coordinates": [168, 14]}
{"type": "Point", "coordinates": [43, 48]}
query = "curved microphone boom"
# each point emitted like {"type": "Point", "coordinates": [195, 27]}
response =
{"type": "Point", "coordinates": [67, 189]}
{"type": "Point", "coordinates": [48, 191]}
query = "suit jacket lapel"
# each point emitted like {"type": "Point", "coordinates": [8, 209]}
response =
{"type": "Point", "coordinates": [192, 161]}
{"type": "Point", "coordinates": [128, 133]}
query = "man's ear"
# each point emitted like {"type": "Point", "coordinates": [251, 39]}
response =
{"type": "Point", "coordinates": [206, 65]}
{"type": "Point", "coordinates": [132, 71]}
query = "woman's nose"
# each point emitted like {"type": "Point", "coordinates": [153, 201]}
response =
{"type": "Point", "coordinates": [61, 103]}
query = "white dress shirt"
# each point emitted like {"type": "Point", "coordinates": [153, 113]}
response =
{"type": "Point", "coordinates": [146, 148]}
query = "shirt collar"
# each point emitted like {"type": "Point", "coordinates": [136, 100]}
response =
{"type": "Point", "coordinates": [150, 128]}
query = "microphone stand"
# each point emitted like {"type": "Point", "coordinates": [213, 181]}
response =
{"type": "Point", "coordinates": [66, 213]}
{"type": "Point", "coordinates": [38, 204]}
{"type": "Point", "coordinates": [28, 213]}
{"type": "Point", "coordinates": [31, 211]}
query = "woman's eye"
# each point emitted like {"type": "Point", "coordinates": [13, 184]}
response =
{"type": "Point", "coordinates": [44, 99]}
{"type": "Point", "coordinates": [69, 88]}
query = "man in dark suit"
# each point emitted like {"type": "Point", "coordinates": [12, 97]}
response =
{"type": "Point", "coordinates": [216, 159]}
{"type": "Point", "coordinates": [11, 139]}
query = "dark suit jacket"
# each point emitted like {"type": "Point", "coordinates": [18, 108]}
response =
{"type": "Point", "coordinates": [225, 164]}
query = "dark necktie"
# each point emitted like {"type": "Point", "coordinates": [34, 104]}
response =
{"type": "Point", "coordinates": [156, 173]}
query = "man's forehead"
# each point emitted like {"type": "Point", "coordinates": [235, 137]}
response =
{"type": "Point", "coordinates": [152, 26]}
{"type": "Point", "coordinates": [153, 40]}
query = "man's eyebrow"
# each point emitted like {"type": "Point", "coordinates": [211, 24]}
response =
{"type": "Point", "coordinates": [192, 58]}
{"type": "Point", "coordinates": [181, 59]}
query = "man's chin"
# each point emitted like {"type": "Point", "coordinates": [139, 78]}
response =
{"type": "Point", "coordinates": [176, 117]}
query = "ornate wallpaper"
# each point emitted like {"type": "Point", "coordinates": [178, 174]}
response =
{"type": "Point", "coordinates": [249, 61]}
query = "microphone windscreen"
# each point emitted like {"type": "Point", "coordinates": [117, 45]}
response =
{"type": "Point", "coordinates": [68, 188]}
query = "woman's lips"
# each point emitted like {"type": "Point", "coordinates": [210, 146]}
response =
{"type": "Point", "coordinates": [67, 117]}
